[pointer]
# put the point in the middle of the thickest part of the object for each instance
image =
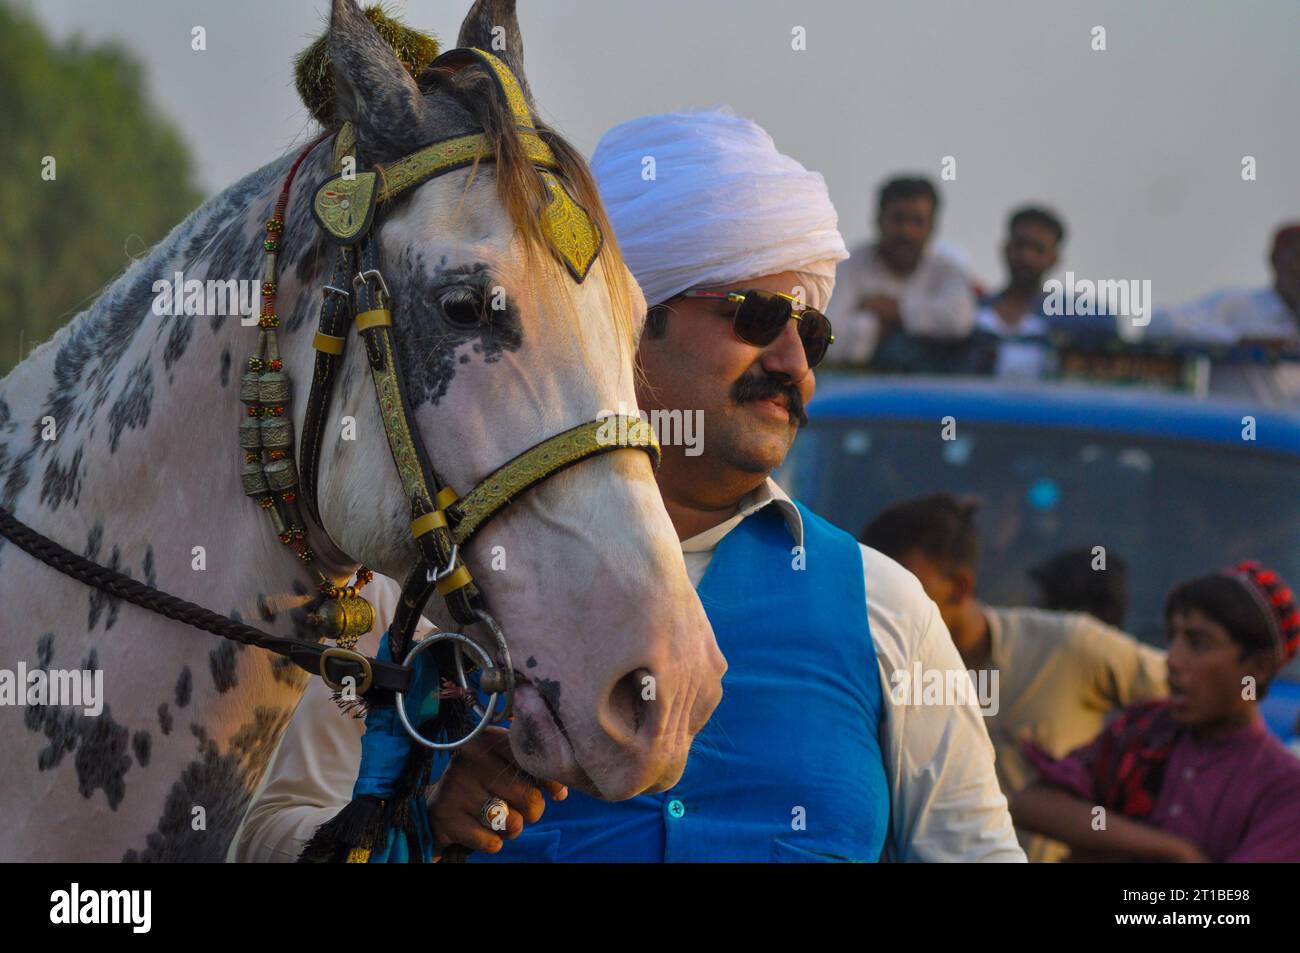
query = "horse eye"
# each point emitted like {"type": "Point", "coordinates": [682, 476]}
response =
{"type": "Point", "coordinates": [462, 307]}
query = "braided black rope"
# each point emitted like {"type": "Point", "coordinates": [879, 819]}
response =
{"type": "Point", "coordinates": [124, 587]}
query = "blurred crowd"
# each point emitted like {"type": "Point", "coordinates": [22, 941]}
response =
{"type": "Point", "coordinates": [905, 302]}
{"type": "Point", "coordinates": [1105, 747]}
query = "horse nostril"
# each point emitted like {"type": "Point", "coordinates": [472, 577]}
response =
{"type": "Point", "coordinates": [629, 701]}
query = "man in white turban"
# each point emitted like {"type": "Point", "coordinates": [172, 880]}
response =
{"type": "Point", "coordinates": [814, 752]}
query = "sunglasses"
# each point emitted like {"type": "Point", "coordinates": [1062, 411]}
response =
{"type": "Point", "coordinates": [761, 316]}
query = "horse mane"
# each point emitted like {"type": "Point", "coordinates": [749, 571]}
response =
{"type": "Point", "coordinates": [522, 194]}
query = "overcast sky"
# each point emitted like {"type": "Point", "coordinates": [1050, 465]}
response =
{"type": "Point", "coordinates": [1139, 147]}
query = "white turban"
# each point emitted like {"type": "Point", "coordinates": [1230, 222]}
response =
{"type": "Point", "coordinates": [718, 204]}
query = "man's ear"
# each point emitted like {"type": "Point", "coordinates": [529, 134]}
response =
{"type": "Point", "coordinates": [1263, 666]}
{"type": "Point", "coordinates": [963, 584]}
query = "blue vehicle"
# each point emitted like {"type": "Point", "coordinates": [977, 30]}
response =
{"type": "Point", "coordinates": [1178, 487]}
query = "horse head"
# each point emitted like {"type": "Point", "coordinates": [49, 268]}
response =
{"type": "Point", "coordinates": [500, 346]}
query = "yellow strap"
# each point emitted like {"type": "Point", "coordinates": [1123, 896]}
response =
{"type": "Point", "coordinates": [428, 523]}
{"type": "Point", "coordinates": [379, 317]}
{"type": "Point", "coordinates": [615, 432]}
{"type": "Point", "coordinates": [446, 496]}
{"type": "Point", "coordinates": [328, 343]}
{"type": "Point", "coordinates": [459, 579]}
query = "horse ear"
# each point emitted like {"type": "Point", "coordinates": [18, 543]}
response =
{"type": "Point", "coordinates": [372, 88]}
{"type": "Point", "coordinates": [493, 25]}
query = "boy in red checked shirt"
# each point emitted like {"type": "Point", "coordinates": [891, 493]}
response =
{"type": "Point", "coordinates": [1197, 777]}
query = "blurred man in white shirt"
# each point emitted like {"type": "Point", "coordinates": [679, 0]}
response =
{"type": "Point", "coordinates": [1246, 317]}
{"type": "Point", "coordinates": [897, 283]}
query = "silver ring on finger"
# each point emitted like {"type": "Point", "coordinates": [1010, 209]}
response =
{"type": "Point", "coordinates": [494, 813]}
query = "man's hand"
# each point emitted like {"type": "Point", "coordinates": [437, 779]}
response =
{"type": "Point", "coordinates": [481, 770]}
{"type": "Point", "coordinates": [1183, 851]}
{"type": "Point", "coordinates": [885, 308]}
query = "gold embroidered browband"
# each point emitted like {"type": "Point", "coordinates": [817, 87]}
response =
{"type": "Point", "coordinates": [345, 205]}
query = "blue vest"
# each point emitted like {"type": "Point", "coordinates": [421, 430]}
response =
{"type": "Point", "coordinates": [789, 767]}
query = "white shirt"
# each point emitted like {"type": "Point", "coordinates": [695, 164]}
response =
{"type": "Point", "coordinates": [1229, 317]}
{"type": "Point", "coordinates": [1018, 359]}
{"type": "Point", "coordinates": [934, 301]}
{"type": "Point", "coordinates": [1226, 317]}
{"type": "Point", "coordinates": [945, 802]}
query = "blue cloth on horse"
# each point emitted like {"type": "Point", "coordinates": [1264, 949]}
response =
{"type": "Point", "coordinates": [790, 767]}
{"type": "Point", "coordinates": [385, 748]}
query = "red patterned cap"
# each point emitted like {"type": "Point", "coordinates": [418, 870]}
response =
{"type": "Point", "coordinates": [1278, 602]}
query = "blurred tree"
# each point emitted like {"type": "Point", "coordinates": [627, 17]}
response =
{"type": "Point", "coordinates": [123, 177]}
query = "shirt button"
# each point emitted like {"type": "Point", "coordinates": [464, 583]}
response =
{"type": "Point", "coordinates": [676, 808]}
{"type": "Point", "coordinates": [1175, 810]}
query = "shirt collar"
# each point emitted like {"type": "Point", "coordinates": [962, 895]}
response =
{"type": "Point", "coordinates": [769, 493]}
{"type": "Point", "coordinates": [995, 635]}
{"type": "Point", "coordinates": [1254, 730]}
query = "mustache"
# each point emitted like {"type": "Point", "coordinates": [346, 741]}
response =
{"type": "Point", "coordinates": [764, 386]}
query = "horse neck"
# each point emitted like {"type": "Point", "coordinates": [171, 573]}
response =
{"type": "Point", "coordinates": [145, 408]}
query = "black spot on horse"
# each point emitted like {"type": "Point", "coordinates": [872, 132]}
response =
{"type": "Point", "coordinates": [225, 366]}
{"type": "Point", "coordinates": [142, 745]}
{"type": "Point", "coordinates": [221, 784]}
{"type": "Point", "coordinates": [164, 719]}
{"type": "Point", "coordinates": [90, 355]}
{"type": "Point", "coordinates": [298, 313]}
{"type": "Point", "coordinates": [184, 687]}
{"type": "Point", "coordinates": [101, 600]}
{"type": "Point", "coordinates": [427, 341]}
{"type": "Point", "coordinates": [206, 227]}
{"type": "Point", "coordinates": [15, 480]}
{"type": "Point", "coordinates": [301, 616]}
{"type": "Point", "coordinates": [550, 690]}
{"type": "Point", "coordinates": [19, 475]}
{"type": "Point", "coordinates": [93, 542]}
{"type": "Point", "coordinates": [178, 339]}
{"type": "Point", "coordinates": [532, 662]}
{"type": "Point", "coordinates": [100, 742]}
{"type": "Point", "coordinates": [150, 576]}
{"type": "Point", "coordinates": [101, 758]}
{"type": "Point", "coordinates": [132, 406]}
{"type": "Point", "coordinates": [221, 660]}
{"type": "Point", "coordinates": [530, 739]}
{"type": "Point", "coordinates": [286, 673]}
{"type": "Point", "coordinates": [62, 483]}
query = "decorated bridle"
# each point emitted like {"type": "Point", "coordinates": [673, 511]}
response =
{"type": "Point", "coordinates": [442, 521]}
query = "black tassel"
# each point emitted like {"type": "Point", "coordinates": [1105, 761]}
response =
{"type": "Point", "coordinates": [359, 826]}
{"type": "Point", "coordinates": [364, 823]}
{"type": "Point", "coordinates": [354, 706]}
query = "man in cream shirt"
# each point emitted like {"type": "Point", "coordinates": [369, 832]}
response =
{"type": "Point", "coordinates": [1059, 674]}
{"type": "Point", "coordinates": [807, 757]}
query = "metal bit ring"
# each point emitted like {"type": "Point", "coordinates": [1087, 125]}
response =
{"type": "Point", "coordinates": [462, 643]}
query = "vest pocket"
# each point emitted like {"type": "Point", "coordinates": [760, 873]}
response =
{"type": "Point", "coordinates": [531, 847]}
{"type": "Point", "coordinates": [784, 852]}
